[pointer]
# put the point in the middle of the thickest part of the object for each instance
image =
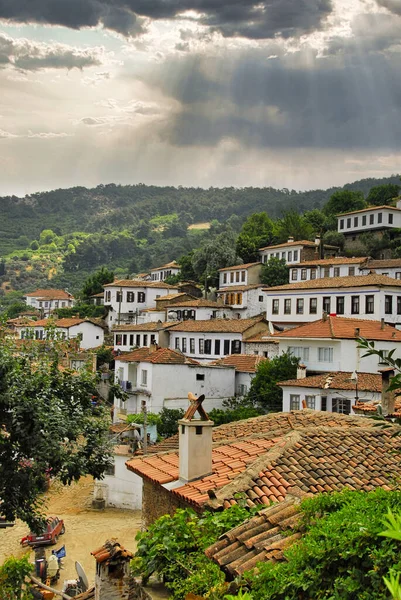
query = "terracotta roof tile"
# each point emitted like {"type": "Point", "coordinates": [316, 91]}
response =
{"type": "Point", "coordinates": [218, 325]}
{"type": "Point", "coordinates": [244, 266]}
{"type": "Point", "coordinates": [111, 552]}
{"type": "Point", "coordinates": [134, 283]}
{"type": "Point", "coordinates": [159, 356]}
{"type": "Point", "coordinates": [367, 382]}
{"type": "Point", "coordinates": [334, 260]}
{"type": "Point", "coordinates": [51, 294]}
{"type": "Point", "coordinates": [383, 264]}
{"type": "Point", "coordinates": [171, 265]}
{"type": "Point", "coordinates": [352, 212]}
{"type": "Point", "coordinates": [307, 243]}
{"type": "Point", "coordinates": [343, 328]}
{"type": "Point", "coordinates": [199, 303]}
{"type": "Point", "coordinates": [64, 323]}
{"type": "Point", "coordinates": [240, 288]}
{"type": "Point", "coordinates": [151, 326]}
{"type": "Point", "coordinates": [243, 363]}
{"type": "Point", "coordinates": [340, 282]}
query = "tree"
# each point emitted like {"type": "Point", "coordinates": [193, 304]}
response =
{"type": "Point", "coordinates": [94, 283]}
{"type": "Point", "coordinates": [169, 418]}
{"type": "Point", "coordinates": [344, 201]}
{"type": "Point", "coordinates": [214, 255]}
{"type": "Point", "coordinates": [293, 225]}
{"type": "Point", "coordinates": [46, 237]}
{"type": "Point", "coordinates": [382, 194]}
{"type": "Point", "coordinates": [256, 232]}
{"type": "Point", "coordinates": [13, 574]}
{"type": "Point", "coordinates": [275, 272]}
{"type": "Point", "coordinates": [48, 427]}
{"type": "Point", "coordinates": [265, 392]}
{"type": "Point", "coordinates": [334, 238]}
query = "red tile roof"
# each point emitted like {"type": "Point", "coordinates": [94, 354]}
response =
{"type": "Point", "coordinates": [171, 265]}
{"type": "Point", "coordinates": [244, 266]}
{"type": "Point", "coordinates": [353, 212]}
{"type": "Point", "coordinates": [64, 323]}
{"type": "Point", "coordinates": [217, 325]}
{"type": "Point", "coordinates": [383, 264]}
{"type": "Point", "coordinates": [240, 288]}
{"type": "Point", "coordinates": [51, 294]}
{"type": "Point", "coordinates": [243, 363]}
{"type": "Point", "coordinates": [342, 328]}
{"type": "Point", "coordinates": [112, 552]}
{"type": "Point", "coordinates": [198, 303]}
{"type": "Point", "coordinates": [151, 326]}
{"type": "Point", "coordinates": [340, 282]}
{"type": "Point", "coordinates": [367, 382]}
{"type": "Point", "coordinates": [134, 283]}
{"type": "Point", "coordinates": [334, 260]}
{"type": "Point", "coordinates": [307, 243]}
{"type": "Point", "coordinates": [161, 356]}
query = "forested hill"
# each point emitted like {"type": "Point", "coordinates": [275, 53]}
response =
{"type": "Point", "coordinates": [115, 207]}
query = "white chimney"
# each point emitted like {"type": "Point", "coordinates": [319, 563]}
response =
{"type": "Point", "coordinates": [317, 240]}
{"type": "Point", "coordinates": [290, 239]}
{"type": "Point", "coordinates": [301, 372]}
{"type": "Point", "coordinates": [195, 442]}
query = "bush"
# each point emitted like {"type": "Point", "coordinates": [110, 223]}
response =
{"type": "Point", "coordinates": [169, 421]}
{"type": "Point", "coordinates": [235, 409]}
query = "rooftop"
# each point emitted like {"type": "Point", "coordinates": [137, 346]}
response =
{"type": "Point", "coordinates": [244, 266]}
{"type": "Point", "coordinates": [383, 264]}
{"type": "Point", "coordinates": [161, 356]}
{"type": "Point", "coordinates": [265, 457]}
{"type": "Point", "coordinates": [367, 382]}
{"type": "Point", "coordinates": [50, 294]}
{"type": "Point", "coordinates": [133, 283]}
{"type": "Point", "coordinates": [339, 282]}
{"type": "Point", "coordinates": [151, 326]}
{"type": "Point", "coordinates": [217, 325]}
{"type": "Point", "coordinates": [198, 303]}
{"type": "Point", "coordinates": [64, 323]}
{"type": "Point", "coordinates": [335, 260]}
{"type": "Point", "coordinates": [353, 212]}
{"type": "Point", "coordinates": [241, 288]}
{"type": "Point", "coordinates": [307, 243]}
{"type": "Point", "coordinates": [171, 265]}
{"type": "Point", "coordinates": [334, 327]}
{"type": "Point", "coordinates": [111, 551]}
{"type": "Point", "coordinates": [243, 363]}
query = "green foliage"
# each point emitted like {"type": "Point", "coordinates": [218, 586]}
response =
{"type": "Point", "coordinates": [49, 427]}
{"type": "Point", "coordinates": [15, 309]}
{"type": "Point", "coordinates": [94, 284]}
{"type": "Point", "coordinates": [187, 272]}
{"type": "Point", "coordinates": [394, 363]}
{"type": "Point", "coordinates": [293, 225]}
{"type": "Point", "coordinates": [13, 573]}
{"type": "Point", "coordinates": [334, 238]}
{"type": "Point", "coordinates": [169, 418]}
{"type": "Point", "coordinates": [256, 232]}
{"type": "Point", "coordinates": [46, 237]}
{"type": "Point", "coordinates": [104, 355]}
{"type": "Point", "coordinates": [344, 201]}
{"type": "Point", "coordinates": [275, 272]}
{"type": "Point", "coordinates": [393, 531]}
{"type": "Point", "coordinates": [174, 545]}
{"type": "Point", "coordinates": [382, 194]}
{"type": "Point", "coordinates": [340, 556]}
{"type": "Point", "coordinates": [215, 255]}
{"type": "Point", "coordinates": [152, 418]}
{"type": "Point", "coordinates": [235, 409]}
{"type": "Point", "coordinates": [264, 392]}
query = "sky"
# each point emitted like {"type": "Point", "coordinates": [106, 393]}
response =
{"type": "Point", "coordinates": [298, 94]}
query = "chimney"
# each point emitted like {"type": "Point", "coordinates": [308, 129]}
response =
{"type": "Point", "coordinates": [388, 397]}
{"type": "Point", "coordinates": [301, 371]}
{"type": "Point", "coordinates": [195, 442]}
{"type": "Point", "coordinates": [382, 324]}
{"type": "Point", "coordinates": [153, 348]}
{"type": "Point", "coordinates": [290, 239]}
{"type": "Point", "coordinates": [317, 240]}
{"type": "Point", "coordinates": [113, 577]}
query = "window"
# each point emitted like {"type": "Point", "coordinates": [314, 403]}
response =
{"type": "Point", "coordinates": [239, 298]}
{"type": "Point", "coordinates": [371, 219]}
{"type": "Point", "coordinates": [324, 403]}
{"type": "Point", "coordinates": [341, 405]}
{"type": "Point", "coordinates": [313, 306]}
{"type": "Point", "coordinates": [326, 272]}
{"type": "Point", "coordinates": [382, 360]}
{"type": "Point", "coordinates": [294, 401]}
{"type": "Point", "coordinates": [348, 223]}
{"type": "Point", "coordinates": [184, 345]}
{"type": "Point", "coordinates": [283, 255]}
{"type": "Point", "coordinates": [326, 304]}
{"type": "Point", "coordinates": [261, 299]}
{"type": "Point", "coordinates": [145, 339]}
{"type": "Point", "coordinates": [152, 339]}
{"type": "Point", "coordinates": [304, 274]}
{"type": "Point", "coordinates": [242, 275]}
{"type": "Point", "coordinates": [124, 339]}
{"type": "Point", "coordinates": [275, 307]}
{"type": "Point", "coordinates": [236, 347]}
{"type": "Point", "coordinates": [130, 297]}
{"type": "Point", "coordinates": [192, 345]}
{"type": "Point", "coordinates": [299, 352]}
{"type": "Point", "coordinates": [398, 305]}
{"type": "Point", "coordinates": [355, 305]}
{"type": "Point", "coordinates": [300, 306]}
{"type": "Point", "coordinates": [351, 270]}
{"type": "Point", "coordinates": [177, 343]}
{"type": "Point", "coordinates": [144, 379]}
{"type": "Point", "coordinates": [119, 296]}
{"type": "Point", "coordinates": [388, 305]}
{"type": "Point", "coordinates": [232, 277]}
{"type": "Point", "coordinates": [340, 305]}
{"type": "Point", "coordinates": [198, 429]}
{"type": "Point", "coordinates": [390, 219]}
{"type": "Point", "coordinates": [208, 346]}
{"type": "Point", "coordinates": [369, 305]}
{"type": "Point", "coordinates": [119, 339]}
{"type": "Point", "coordinates": [310, 402]}
{"type": "Point", "coordinates": [294, 274]}
{"type": "Point", "coordinates": [380, 217]}
{"type": "Point", "coordinates": [108, 295]}
{"type": "Point", "coordinates": [217, 347]}
{"type": "Point", "coordinates": [138, 340]}
{"type": "Point", "coordinates": [325, 355]}
{"type": "Point", "coordinates": [398, 275]}
{"type": "Point", "coordinates": [287, 306]}
{"type": "Point", "coordinates": [341, 223]}
{"type": "Point", "coordinates": [201, 346]}
{"type": "Point", "coordinates": [242, 389]}
{"type": "Point", "coordinates": [141, 297]}
{"type": "Point", "coordinates": [131, 339]}
{"type": "Point", "coordinates": [295, 255]}
{"type": "Point", "coordinates": [40, 304]}
{"type": "Point", "coordinates": [364, 220]}
{"type": "Point", "coordinates": [290, 256]}
{"type": "Point", "coordinates": [225, 278]}
{"type": "Point", "coordinates": [226, 347]}
{"type": "Point", "coordinates": [355, 221]}
{"type": "Point", "coordinates": [336, 271]}
{"type": "Point", "coordinates": [237, 276]}
{"type": "Point", "coordinates": [200, 377]}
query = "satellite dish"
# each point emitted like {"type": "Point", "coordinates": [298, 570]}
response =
{"type": "Point", "coordinates": [83, 580]}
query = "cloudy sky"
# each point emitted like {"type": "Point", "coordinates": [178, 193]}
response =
{"type": "Point", "coordinates": [284, 93]}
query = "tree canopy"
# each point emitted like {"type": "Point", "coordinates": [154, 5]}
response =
{"type": "Point", "coordinates": [344, 201]}
{"type": "Point", "coordinates": [256, 232]}
{"type": "Point", "coordinates": [264, 391]}
{"type": "Point", "coordinates": [383, 194]}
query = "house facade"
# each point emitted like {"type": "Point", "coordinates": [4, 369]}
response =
{"type": "Point", "coordinates": [47, 300]}
{"type": "Point", "coordinates": [247, 274]}
{"type": "Point", "coordinates": [130, 336]}
{"type": "Point", "coordinates": [371, 297]}
{"type": "Point", "coordinates": [245, 366]}
{"type": "Point", "coordinates": [89, 333]}
{"type": "Point", "coordinates": [390, 267]}
{"type": "Point", "coordinates": [328, 267]}
{"type": "Point", "coordinates": [127, 297]}
{"type": "Point", "coordinates": [246, 301]}
{"type": "Point", "coordinates": [295, 252]}
{"type": "Point", "coordinates": [371, 219]}
{"type": "Point", "coordinates": [161, 273]}
{"type": "Point", "coordinates": [198, 310]}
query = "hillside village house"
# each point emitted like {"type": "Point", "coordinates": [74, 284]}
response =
{"type": "Point", "coordinates": [89, 333]}
{"type": "Point", "coordinates": [370, 297]}
{"type": "Point", "coordinates": [374, 219]}
{"type": "Point", "coordinates": [161, 377]}
{"type": "Point", "coordinates": [295, 252]}
{"type": "Point", "coordinates": [127, 297]}
{"type": "Point", "coordinates": [337, 266]}
{"type": "Point", "coordinates": [247, 274]}
{"type": "Point", "coordinates": [216, 338]}
{"type": "Point", "coordinates": [161, 273]}
{"type": "Point", "coordinates": [263, 344]}
{"type": "Point", "coordinates": [200, 309]}
{"type": "Point", "coordinates": [130, 336]}
{"type": "Point", "coordinates": [245, 366]}
{"type": "Point", "coordinates": [47, 300]}
{"type": "Point", "coordinates": [246, 301]}
{"type": "Point", "coordinates": [390, 267]}
{"type": "Point", "coordinates": [330, 344]}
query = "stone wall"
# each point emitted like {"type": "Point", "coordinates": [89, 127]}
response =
{"type": "Point", "coordinates": [157, 502]}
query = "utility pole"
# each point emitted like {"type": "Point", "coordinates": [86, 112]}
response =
{"type": "Point", "coordinates": [145, 427]}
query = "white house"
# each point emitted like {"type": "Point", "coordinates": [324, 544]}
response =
{"type": "Point", "coordinates": [246, 301]}
{"type": "Point", "coordinates": [373, 218]}
{"type": "Point", "coordinates": [130, 336]}
{"type": "Point", "coordinates": [47, 300]}
{"type": "Point", "coordinates": [161, 273]}
{"type": "Point", "coordinates": [330, 344]}
{"type": "Point", "coordinates": [390, 267]}
{"type": "Point", "coordinates": [370, 297]}
{"type": "Point", "coordinates": [247, 274]}
{"type": "Point", "coordinates": [120, 488]}
{"type": "Point", "coordinates": [263, 344]}
{"type": "Point", "coordinates": [161, 377]}
{"type": "Point", "coordinates": [295, 252]}
{"type": "Point", "coordinates": [127, 297]}
{"type": "Point", "coordinates": [245, 366]}
{"type": "Point", "coordinates": [332, 392]}
{"type": "Point", "coordinates": [200, 309]}
{"type": "Point", "coordinates": [216, 338]}
{"type": "Point", "coordinates": [337, 266]}
{"type": "Point", "coordinates": [89, 333]}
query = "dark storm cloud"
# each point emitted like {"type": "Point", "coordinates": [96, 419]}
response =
{"type": "Point", "coordinates": [392, 5]}
{"type": "Point", "coordinates": [246, 18]}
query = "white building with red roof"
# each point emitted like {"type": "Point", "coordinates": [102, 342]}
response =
{"type": "Point", "coordinates": [167, 270]}
{"type": "Point", "coordinates": [47, 300]}
{"type": "Point", "coordinates": [296, 251]}
{"type": "Point", "coordinates": [89, 332]}
{"type": "Point", "coordinates": [246, 274]}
